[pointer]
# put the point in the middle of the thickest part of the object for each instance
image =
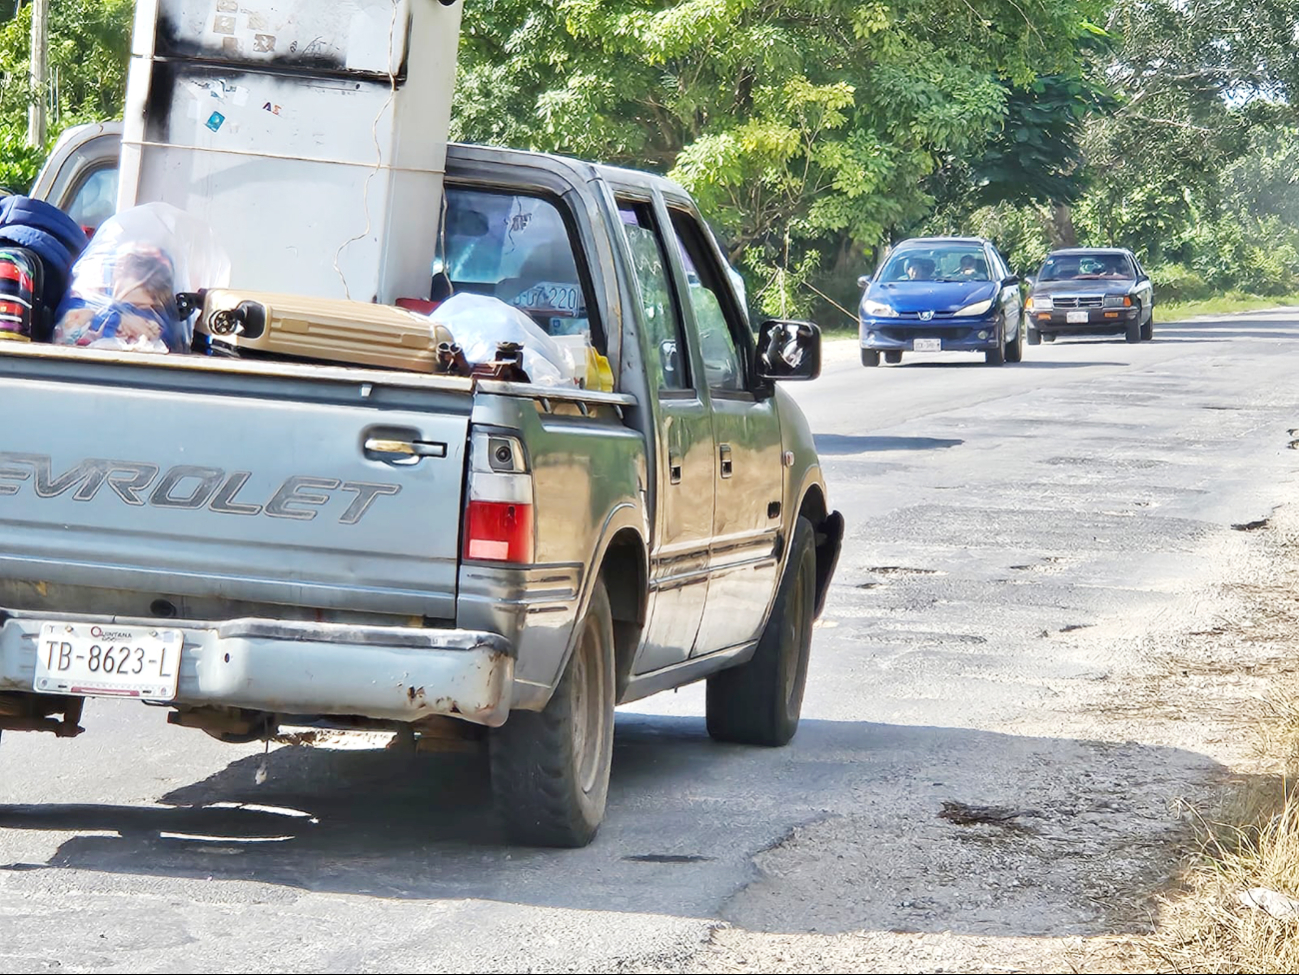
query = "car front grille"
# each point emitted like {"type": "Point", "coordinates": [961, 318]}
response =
{"type": "Point", "coordinates": [1083, 301]}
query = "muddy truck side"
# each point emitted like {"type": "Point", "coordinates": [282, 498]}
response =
{"type": "Point", "coordinates": [253, 544]}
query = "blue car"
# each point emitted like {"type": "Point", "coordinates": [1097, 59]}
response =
{"type": "Point", "coordinates": [942, 294]}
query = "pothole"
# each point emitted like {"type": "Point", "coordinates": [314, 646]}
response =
{"type": "Point", "coordinates": [902, 570]}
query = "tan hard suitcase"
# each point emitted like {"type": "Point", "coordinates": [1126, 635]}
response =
{"type": "Point", "coordinates": [327, 329]}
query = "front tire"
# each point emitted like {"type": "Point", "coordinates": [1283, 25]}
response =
{"type": "Point", "coordinates": [759, 703]}
{"type": "Point", "coordinates": [1015, 349]}
{"type": "Point", "coordinates": [1134, 332]}
{"type": "Point", "coordinates": [1034, 336]}
{"type": "Point", "coordinates": [870, 358]}
{"type": "Point", "coordinates": [550, 768]}
{"type": "Point", "coordinates": [1148, 329]}
{"type": "Point", "coordinates": [997, 356]}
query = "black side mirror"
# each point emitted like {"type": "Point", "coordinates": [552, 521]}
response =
{"type": "Point", "coordinates": [864, 281]}
{"type": "Point", "coordinates": [1030, 280]}
{"type": "Point", "coordinates": [789, 351]}
{"type": "Point", "coordinates": [1142, 278]}
{"type": "Point", "coordinates": [1009, 280]}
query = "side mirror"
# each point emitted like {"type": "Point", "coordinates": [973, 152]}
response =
{"type": "Point", "coordinates": [1143, 278]}
{"type": "Point", "coordinates": [1009, 280]}
{"type": "Point", "coordinates": [789, 351]}
{"type": "Point", "coordinates": [864, 281]}
{"type": "Point", "coordinates": [1030, 280]}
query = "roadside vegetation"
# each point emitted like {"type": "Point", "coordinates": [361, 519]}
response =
{"type": "Point", "coordinates": [1239, 911]}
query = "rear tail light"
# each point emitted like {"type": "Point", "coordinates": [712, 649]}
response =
{"type": "Point", "coordinates": [499, 531]}
{"type": "Point", "coordinates": [499, 524]}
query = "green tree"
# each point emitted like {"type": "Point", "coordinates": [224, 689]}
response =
{"type": "Point", "coordinates": [88, 53]}
{"type": "Point", "coordinates": [806, 128]}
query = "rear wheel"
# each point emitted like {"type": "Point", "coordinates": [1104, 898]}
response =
{"type": "Point", "coordinates": [550, 768]}
{"type": "Point", "coordinates": [893, 358]}
{"type": "Point", "coordinates": [1034, 336]}
{"type": "Point", "coordinates": [870, 358]}
{"type": "Point", "coordinates": [758, 703]}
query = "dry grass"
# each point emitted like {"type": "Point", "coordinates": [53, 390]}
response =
{"type": "Point", "coordinates": [1252, 843]}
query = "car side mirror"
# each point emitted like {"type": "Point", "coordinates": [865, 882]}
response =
{"type": "Point", "coordinates": [1009, 280]}
{"type": "Point", "coordinates": [1142, 278]}
{"type": "Point", "coordinates": [864, 281]}
{"type": "Point", "coordinates": [789, 351]}
{"type": "Point", "coordinates": [1030, 280]}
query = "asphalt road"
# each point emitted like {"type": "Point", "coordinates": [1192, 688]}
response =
{"type": "Point", "coordinates": [996, 518]}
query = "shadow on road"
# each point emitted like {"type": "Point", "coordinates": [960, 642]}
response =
{"type": "Point", "coordinates": [686, 819]}
{"type": "Point", "coordinates": [834, 443]}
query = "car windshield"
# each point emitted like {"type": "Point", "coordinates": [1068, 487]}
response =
{"type": "Point", "coordinates": [940, 262]}
{"type": "Point", "coordinates": [1086, 267]}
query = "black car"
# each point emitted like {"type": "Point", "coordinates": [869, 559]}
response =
{"type": "Point", "coordinates": [1090, 291]}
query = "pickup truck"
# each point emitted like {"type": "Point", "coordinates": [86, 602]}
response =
{"type": "Point", "coordinates": [261, 544]}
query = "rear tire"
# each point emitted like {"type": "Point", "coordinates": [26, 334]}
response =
{"type": "Point", "coordinates": [870, 358]}
{"type": "Point", "coordinates": [550, 768]}
{"type": "Point", "coordinates": [1134, 332]}
{"type": "Point", "coordinates": [758, 703]}
{"type": "Point", "coordinates": [893, 358]}
{"type": "Point", "coordinates": [1034, 337]}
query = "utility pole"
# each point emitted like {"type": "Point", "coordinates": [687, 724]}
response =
{"type": "Point", "coordinates": [39, 73]}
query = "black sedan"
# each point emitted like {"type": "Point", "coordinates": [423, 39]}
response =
{"type": "Point", "coordinates": [1090, 291]}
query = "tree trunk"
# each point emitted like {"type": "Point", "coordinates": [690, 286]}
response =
{"type": "Point", "coordinates": [39, 73]}
{"type": "Point", "coordinates": [1059, 226]}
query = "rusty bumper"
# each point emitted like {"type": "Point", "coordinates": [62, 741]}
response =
{"type": "Point", "coordinates": [391, 673]}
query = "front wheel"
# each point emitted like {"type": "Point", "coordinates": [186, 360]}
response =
{"type": "Point", "coordinates": [1034, 336]}
{"type": "Point", "coordinates": [997, 356]}
{"type": "Point", "coordinates": [759, 703]}
{"type": "Point", "coordinates": [870, 358]}
{"type": "Point", "coordinates": [1015, 349]}
{"type": "Point", "coordinates": [1134, 332]}
{"type": "Point", "coordinates": [1148, 329]}
{"type": "Point", "coordinates": [550, 768]}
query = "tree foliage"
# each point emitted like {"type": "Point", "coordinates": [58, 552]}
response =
{"type": "Point", "coordinates": [807, 129]}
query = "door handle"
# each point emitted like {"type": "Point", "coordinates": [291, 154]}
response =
{"type": "Point", "coordinates": [728, 467]}
{"type": "Point", "coordinates": [402, 451]}
{"type": "Point", "coordinates": [674, 469]}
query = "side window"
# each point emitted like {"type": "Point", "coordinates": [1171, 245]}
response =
{"type": "Point", "coordinates": [518, 248]}
{"type": "Point", "coordinates": [661, 320]}
{"type": "Point", "coordinates": [714, 312]}
{"type": "Point", "coordinates": [95, 199]}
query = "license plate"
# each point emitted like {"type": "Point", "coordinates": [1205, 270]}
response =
{"type": "Point", "coordinates": [1076, 317]}
{"type": "Point", "coordinates": [927, 345]}
{"type": "Point", "coordinates": [108, 661]}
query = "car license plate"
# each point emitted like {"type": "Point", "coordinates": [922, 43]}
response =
{"type": "Point", "coordinates": [927, 345]}
{"type": "Point", "coordinates": [107, 660]}
{"type": "Point", "coordinates": [1076, 317]}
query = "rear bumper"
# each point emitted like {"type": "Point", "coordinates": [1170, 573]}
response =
{"type": "Point", "coordinates": [956, 334]}
{"type": "Point", "coordinates": [388, 673]}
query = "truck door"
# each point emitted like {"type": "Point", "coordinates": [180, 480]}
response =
{"type": "Point", "coordinates": [685, 449]}
{"type": "Point", "coordinates": [748, 473]}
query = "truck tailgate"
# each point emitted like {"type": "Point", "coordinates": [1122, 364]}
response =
{"type": "Point", "coordinates": [234, 483]}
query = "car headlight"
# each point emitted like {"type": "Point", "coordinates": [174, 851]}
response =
{"type": "Point", "coordinates": [877, 309]}
{"type": "Point", "coordinates": [978, 308]}
{"type": "Point", "coordinates": [1118, 301]}
{"type": "Point", "coordinates": [1040, 303]}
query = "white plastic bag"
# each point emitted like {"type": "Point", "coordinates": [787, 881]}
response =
{"type": "Point", "coordinates": [480, 322]}
{"type": "Point", "coordinates": [122, 291]}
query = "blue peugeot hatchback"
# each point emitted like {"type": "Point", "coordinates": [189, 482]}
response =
{"type": "Point", "coordinates": [942, 294]}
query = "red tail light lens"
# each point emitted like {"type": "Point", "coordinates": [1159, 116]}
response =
{"type": "Point", "coordinates": [499, 531]}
